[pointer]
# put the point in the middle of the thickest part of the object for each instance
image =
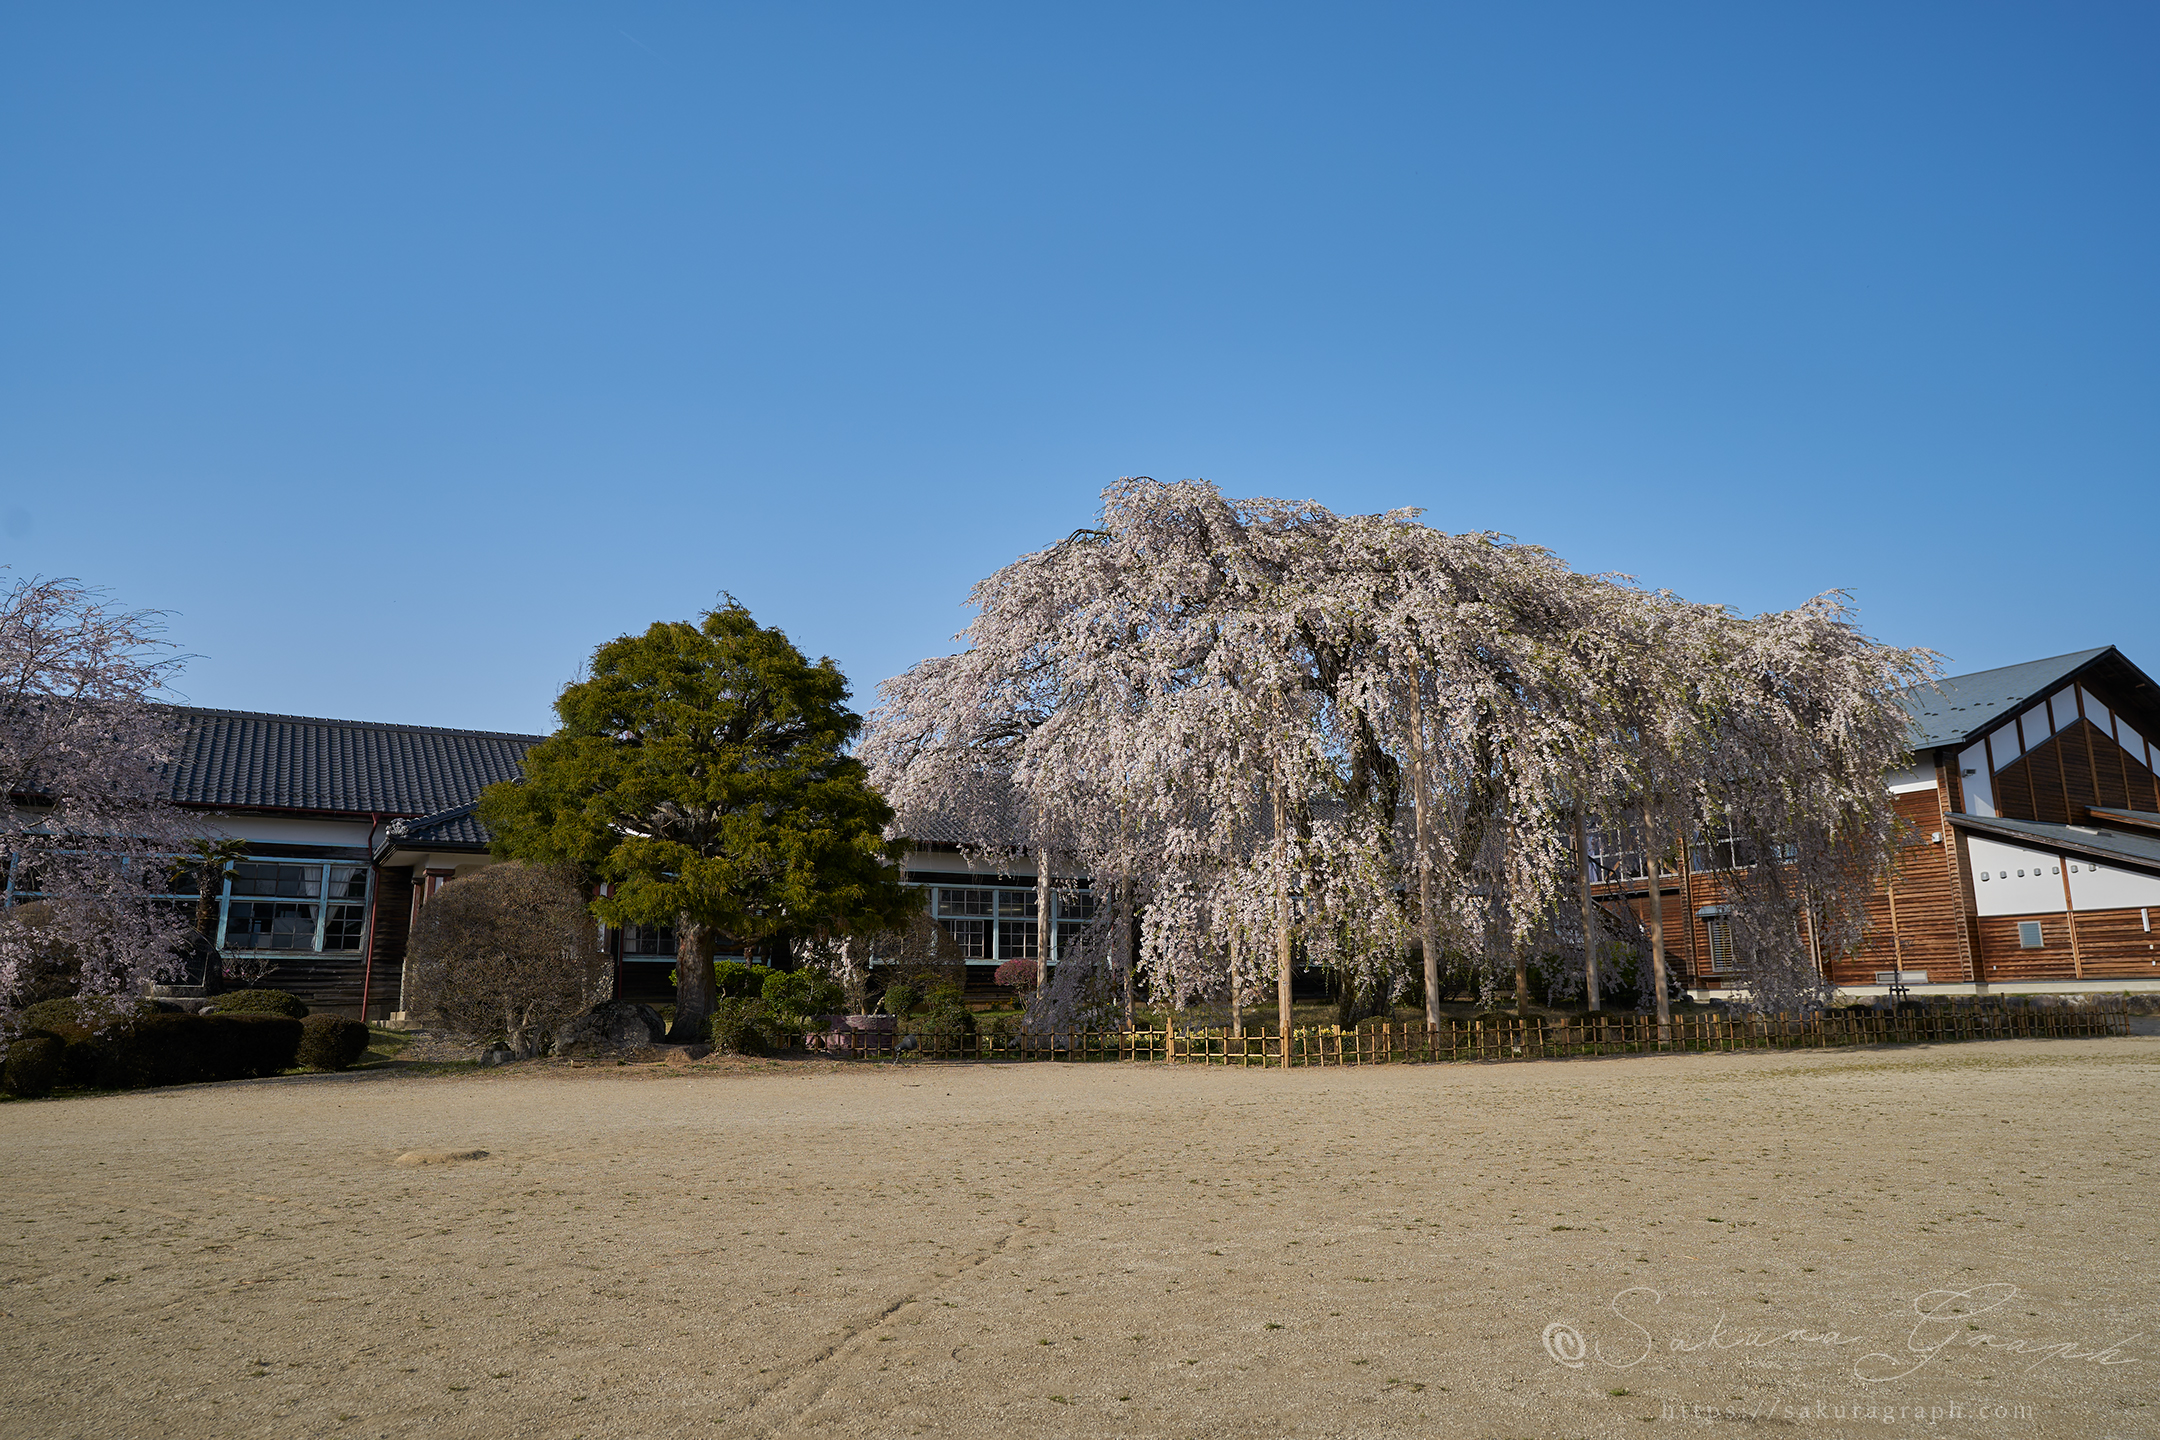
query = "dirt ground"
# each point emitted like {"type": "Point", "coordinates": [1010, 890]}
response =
{"type": "Point", "coordinates": [808, 1248]}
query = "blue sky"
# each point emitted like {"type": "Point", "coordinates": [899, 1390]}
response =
{"type": "Point", "coordinates": [406, 353]}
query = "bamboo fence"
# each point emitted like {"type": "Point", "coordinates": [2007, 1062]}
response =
{"type": "Point", "coordinates": [1489, 1040]}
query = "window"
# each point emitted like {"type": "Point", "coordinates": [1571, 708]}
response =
{"type": "Point", "coordinates": [2029, 935]}
{"type": "Point", "coordinates": [1719, 930]}
{"type": "Point", "coordinates": [996, 923]}
{"type": "Point", "coordinates": [1720, 848]}
{"type": "Point", "coordinates": [291, 905]}
{"type": "Point", "coordinates": [648, 942]}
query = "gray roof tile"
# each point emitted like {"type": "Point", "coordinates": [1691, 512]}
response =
{"type": "Point", "coordinates": [1962, 705]}
{"type": "Point", "coordinates": [2141, 850]}
{"type": "Point", "coordinates": [454, 829]}
{"type": "Point", "coordinates": [233, 759]}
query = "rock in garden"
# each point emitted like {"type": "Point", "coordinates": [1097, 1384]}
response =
{"type": "Point", "coordinates": [614, 1025]}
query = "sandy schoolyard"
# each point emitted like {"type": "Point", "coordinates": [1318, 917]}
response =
{"type": "Point", "coordinates": [1962, 1240]}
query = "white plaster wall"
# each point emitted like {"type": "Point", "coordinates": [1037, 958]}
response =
{"type": "Point", "coordinates": [262, 830]}
{"type": "Point", "coordinates": [2107, 887]}
{"type": "Point", "coordinates": [2038, 891]}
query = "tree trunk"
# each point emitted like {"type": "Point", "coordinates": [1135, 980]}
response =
{"type": "Point", "coordinates": [1127, 921]}
{"type": "Point", "coordinates": [1589, 909]}
{"type": "Point", "coordinates": [1522, 983]}
{"type": "Point", "coordinates": [694, 996]}
{"type": "Point", "coordinates": [1282, 918]}
{"type": "Point", "coordinates": [1428, 922]}
{"type": "Point", "coordinates": [1045, 924]}
{"type": "Point", "coordinates": [1237, 991]}
{"type": "Point", "coordinates": [856, 977]}
{"type": "Point", "coordinates": [208, 882]}
{"type": "Point", "coordinates": [1657, 924]}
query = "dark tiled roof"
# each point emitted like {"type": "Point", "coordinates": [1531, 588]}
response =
{"type": "Point", "coordinates": [454, 829]}
{"type": "Point", "coordinates": [236, 760]}
{"type": "Point", "coordinates": [2140, 850]}
{"type": "Point", "coordinates": [1957, 708]}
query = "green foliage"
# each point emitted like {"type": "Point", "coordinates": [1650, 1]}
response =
{"type": "Point", "coordinates": [33, 1064]}
{"type": "Point", "coordinates": [702, 770]}
{"type": "Point", "coordinates": [900, 998]}
{"type": "Point", "coordinates": [160, 1049]}
{"type": "Point", "coordinates": [951, 1019]}
{"type": "Point", "coordinates": [259, 1002]}
{"type": "Point", "coordinates": [738, 1027]}
{"type": "Point", "coordinates": [738, 981]}
{"type": "Point", "coordinates": [793, 997]}
{"type": "Point", "coordinates": [331, 1042]}
{"type": "Point", "coordinates": [91, 1012]}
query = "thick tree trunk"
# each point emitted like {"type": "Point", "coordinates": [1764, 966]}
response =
{"type": "Point", "coordinates": [1589, 909]}
{"type": "Point", "coordinates": [1282, 918]}
{"type": "Point", "coordinates": [856, 976]}
{"type": "Point", "coordinates": [1428, 922]}
{"type": "Point", "coordinates": [694, 997]}
{"type": "Point", "coordinates": [1657, 924]}
{"type": "Point", "coordinates": [1045, 923]}
{"type": "Point", "coordinates": [1522, 983]}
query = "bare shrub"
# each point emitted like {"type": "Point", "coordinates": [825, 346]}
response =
{"type": "Point", "coordinates": [508, 954]}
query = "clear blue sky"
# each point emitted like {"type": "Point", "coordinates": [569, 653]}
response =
{"type": "Point", "coordinates": [407, 352]}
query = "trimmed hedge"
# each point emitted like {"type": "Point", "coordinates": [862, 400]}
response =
{"type": "Point", "coordinates": [33, 1064]}
{"type": "Point", "coordinates": [90, 1013]}
{"type": "Point", "coordinates": [164, 1049]}
{"type": "Point", "coordinates": [331, 1042]}
{"type": "Point", "coordinates": [258, 1002]}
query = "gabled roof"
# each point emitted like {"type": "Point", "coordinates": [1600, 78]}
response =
{"type": "Point", "coordinates": [1961, 706]}
{"type": "Point", "coordinates": [233, 759]}
{"type": "Point", "coordinates": [453, 829]}
{"type": "Point", "coordinates": [2140, 850]}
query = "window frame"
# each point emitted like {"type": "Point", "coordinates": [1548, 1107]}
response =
{"type": "Point", "coordinates": [322, 900]}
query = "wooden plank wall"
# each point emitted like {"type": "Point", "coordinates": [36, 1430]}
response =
{"type": "Point", "coordinates": [393, 928]}
{"type": "Point", "coordinates": [1913, 925]}
{"type": "Point", "coordinates": [2056, 780]}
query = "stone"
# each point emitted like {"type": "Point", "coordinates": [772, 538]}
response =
{"type": "Point", "coordinates": [497, 1055]}
{"type": "Point", "coordinates": [610, 1026]}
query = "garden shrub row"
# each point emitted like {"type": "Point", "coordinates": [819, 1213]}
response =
{"type": "Point", "coordinates": [135, 1052]}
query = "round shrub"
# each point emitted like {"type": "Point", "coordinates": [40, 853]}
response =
{"type": "Point", "coordinates": [738, 1027]}
{"type": "Point", "coordinates": [794, 997]}
{"type": "Point", "coordinates": [33, 1064]}
{"type": "Point", "coordinates": [258, 1002]}
{"type": "Point", "coordinates": [331, 1042]}
{"type": "Point", "coordinates": [900, 997]}
{"type": "Point", "coordinates": [950, 1018]}
{"type": "Point", "coordinates": [1016, 975]}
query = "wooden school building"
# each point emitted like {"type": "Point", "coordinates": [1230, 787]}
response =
{"type": "Point", "coordinates": [2031, 862]}
{"type": "Point", "coordinates": [2031, 858]}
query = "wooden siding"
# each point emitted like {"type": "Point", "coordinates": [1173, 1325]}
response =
{"type": "Point", "coordinates": [2007, 961]}
{"type": "Point", "coordinates": [393, 927]}
{"type": "Point", "coordinates": [328, 982]}
{"type": "Point", "coordinates": [2079, 766]}
{"type": "Point", "coordinates": [2115, 945]}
